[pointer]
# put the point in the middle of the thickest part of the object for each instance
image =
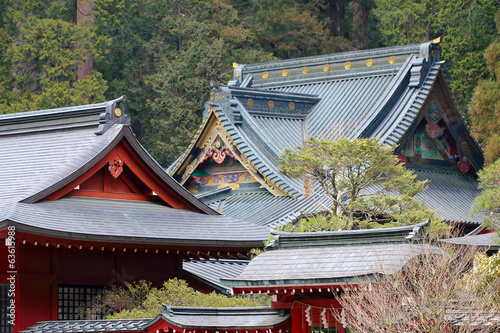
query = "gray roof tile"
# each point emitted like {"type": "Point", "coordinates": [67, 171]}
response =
{"type": "Point", "coordinates": [39, 154]}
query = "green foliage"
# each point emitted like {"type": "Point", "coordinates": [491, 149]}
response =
{"type": "Point", "coordinates": [140, 300]}
{"type": "Point", "coordinates": [465, 25]}
{"type": "Point", "coordinates": [484, 107]}
{"type": "Point", "coordinates": [489, 200]}
{"type": "Point", "coordinates": [363, 180]}
{"type": "Point", "coordinates": [486, 272]}
{"type": "Point", "coordinates": [41, 49]}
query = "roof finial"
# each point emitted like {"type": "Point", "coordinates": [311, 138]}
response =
{"type": "Point", "coordinates": [114, 114]}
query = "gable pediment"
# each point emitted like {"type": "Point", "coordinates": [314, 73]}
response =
{"type": "Point", "coordinates": [123, 173]}
{"type": "Point", "coordinates": [439, 135]}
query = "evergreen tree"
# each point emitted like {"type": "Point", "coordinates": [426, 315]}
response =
{"type": "Point", "coordinates": [364, 182]}
{"type": "Point", "coordinates": [467, 27]}
{"type": "Point", "coordinates": [41, 47]}
{"type": "Point", "coordinates": [484, 107]}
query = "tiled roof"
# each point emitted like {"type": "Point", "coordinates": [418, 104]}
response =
{"type": "Point", "coordinates": [223, 318]}
{"type": "Point", "coordinates": [371, 93]}
{"type": "Point", "coordinates": [490, 241]}
{"type": "Point", "coordinates": [117, 325]}
{"type": "Point", "coordinates": [209, 272]}
{"type": "Point", "coordinates": [42, 151]}
{"type": "Point", "coordinates": [332, 257]}
{"type": "Point", "coordinates": [450, 194]}
{"type": "Point", "coordinates": [139, 222]}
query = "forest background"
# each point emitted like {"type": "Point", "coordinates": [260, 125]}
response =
{"type": "Point", "coordinates": [163, 54]}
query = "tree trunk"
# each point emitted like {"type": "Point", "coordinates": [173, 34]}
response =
{"type": "Point", "coordinates": [83, 12]}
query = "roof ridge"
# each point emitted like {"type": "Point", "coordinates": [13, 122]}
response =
{"type": "Point", "coordinates": [342, 56]}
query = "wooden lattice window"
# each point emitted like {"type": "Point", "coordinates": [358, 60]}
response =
{"type": "Point", "coordinates": [5, 327]}
{"type": "Point", "coordinates": [73, 300]}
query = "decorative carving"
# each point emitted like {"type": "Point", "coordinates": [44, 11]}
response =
{"type": "Point", "coordinates": [403, 159]}
{"type": "Point", "coordinates": [433, 130]}
{"type": "Point", "coordinates": [464, 166]}
{"type": "Point", "coordinates": [369, 62]}
{"type": "Point", "coordinates": [116, 166]}
{"type": "Point", "coordinates": [250, 102]}
{"type": "Point", "coordinates": [265, 75]}
{"type": "Point", "coordinates": [218, 155]}
{"type": "Point", "coordinates": [291, 105]}
{"type": "Point", "coordinates": [284, 72]}
{"type": "Point", "coordinates": [305, 70]}
{"type": "Point", "coordinates": [218, 133]}
{"type": "Point", "coordinates": [326, 68]}
{"type": "Point", "coordinates": [201, 180]}
{"type": "Point", "coordinates": [271, 104]}
{"type": "Point", "coordinates": [392, 59]}
{"type": "Point", "coordinates": [347, 65]}
{"type": "Point", "coordinates": [433, 116]}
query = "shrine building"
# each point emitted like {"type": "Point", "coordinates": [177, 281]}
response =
{"type": "Point", "coordinates": [84, 206]}
{"type": "Point", "coordinates": [399, 95]}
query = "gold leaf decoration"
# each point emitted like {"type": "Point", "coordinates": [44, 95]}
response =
{"type": "Point", "coordinates": [305, 70]}
{"type": "Point", "coordinates": [326, 68]}
{"type": "Point", "coordinates": [369, 62]}
{"type": "Point", "coordinates": [291, 106]}
{"type": "Point", "coordinates": [218, 126]}
{"type": "Point", "coordinates": [265, 75]}
{"type": "Point", "coordinates": [347, 65]}
{"type": "Point", "coordinates": [237, 74]}
{"type": "Point", "coordinates": [271, 104]}
{"type": "Point", "coordinates": [392, 59]}
{"type": "Point", "coordinates": [284, 72]}
{"type": "Point", "coordinates": [250, 102]}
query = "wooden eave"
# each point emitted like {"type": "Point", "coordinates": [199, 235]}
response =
{"type": "Point", "coordinates": [200, 250]}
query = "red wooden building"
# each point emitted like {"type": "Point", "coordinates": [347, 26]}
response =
{"type": "Point", "coordinates": [84, 206]}
{"type": "Point", "coordinates": [301, 271]}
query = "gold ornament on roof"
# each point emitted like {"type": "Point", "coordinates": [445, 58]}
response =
{"type": "Point", "coordinates": [392, 59]}
{"type": "Point", "coordinates": [284, 72]}
{"type": "Point", "coordinates": [228, 95]}
{"type": "Point", "coordinates": [237, 74]}
{"type": "Point", "coordinates": [250, 102]}
{"type": "Point", "coordinates": [305, 70]}
{"type": "Point", "coordinates": [326, 68]}
{"type": "Point", "coordinates": [217, 96]}
{"type": "Point", "coordinates": [265, 75]}
{"type": "Point", "coordinates": [369, 62]}
{"type": "Point", "coordinates": [271, 104]}
{"type": "Point", "coordinates": [347, 65]}
{"type": "Point", "coordinates": [118, 112]}
{"type": "Point", "coordinates": [291, 106]}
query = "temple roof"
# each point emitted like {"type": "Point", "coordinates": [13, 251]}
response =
{"type": "Point", "coordinates": [381, 93]}
{"type": "Point", "coordinates": [178, 317]}
{"type": "Point", "coordinates": [47, 154]}
{"type": "Point", "coordinates": [222, 318]}
{"type": "Point", "coordinates": [209, 272]}
{"type": "Point", "coordinates": [110, 325]}
{"type": "Point", "coordinates": [489, 241]}
{"type": "Point", "coordinates": [329, 258]}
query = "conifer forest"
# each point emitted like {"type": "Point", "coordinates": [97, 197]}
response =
{"type": "Point", "coordinates": [163, 54]}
